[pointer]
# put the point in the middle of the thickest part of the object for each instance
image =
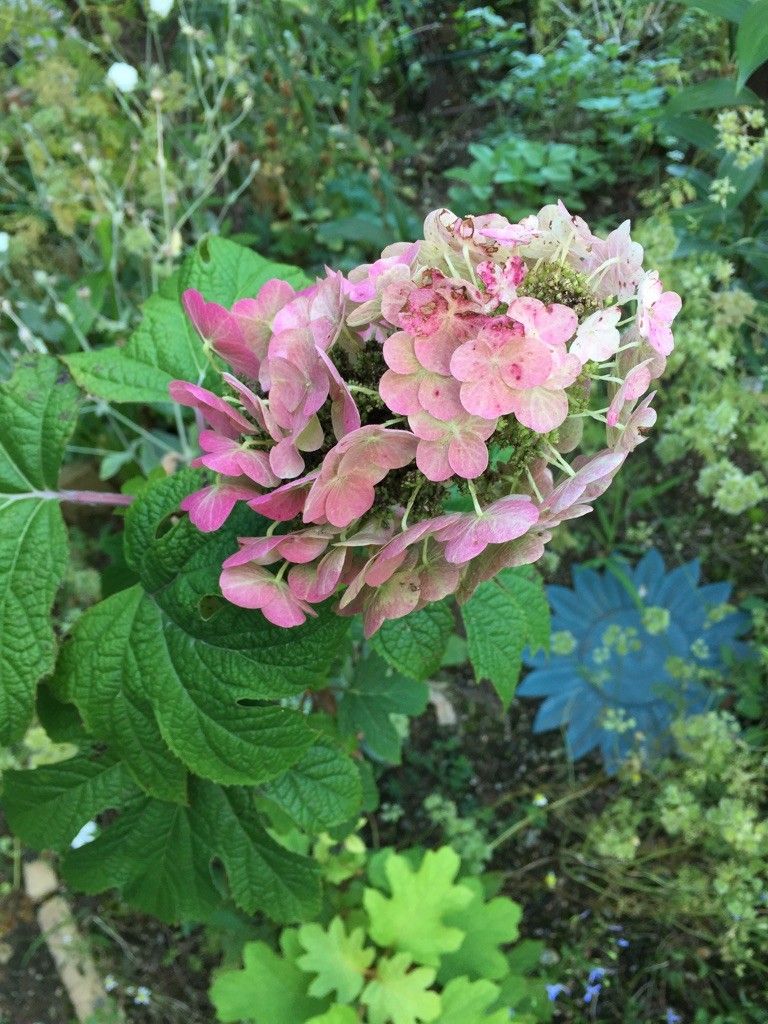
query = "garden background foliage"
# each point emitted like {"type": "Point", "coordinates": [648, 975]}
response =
{"type": "Point", "coordinates": [287, 797]}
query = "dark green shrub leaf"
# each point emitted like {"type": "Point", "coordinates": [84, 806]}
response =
{"type": "Point", "coordinates": [502, 618]}
{"type": "Point", "coordinates": [152, 672]}
{"type": "Point", "coordinates": [159, 856]}
{"type": "Point", "coordinates": [375, 692]}
{"type": "Point", "coordinates": [165, 346]}
{"type": "Point", "coordinates": [415, 645]}
{"type": "Point", "coordinates": [38, 410]}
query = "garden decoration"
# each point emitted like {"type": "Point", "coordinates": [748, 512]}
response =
{"type": "Point", "coordinates": [632, 650]}
{"type": "Point", "coordinates": [405, 427]}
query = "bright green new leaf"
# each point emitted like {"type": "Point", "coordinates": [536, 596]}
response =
{"type": "Point", "coordinates": [165, 679]}
{"type": "Point", "coordinates": [375, 692]}
{"type": "Point", "coordinates": [752, 40]}
{"type": "Point", "coordinates": [467, 1002]}
{"type": "Point", "coordinates": [270, 989]}
{"type": "Point", "coordinates": [321, 790]}
{"type": "Point", "coordinates": [415, 645]}
{"type": "Point", "coordinates": [159, 856]}
{"type": "Point", "coordinates": [414, 919]}
{"type": "Point", "coordinates": [486, 927]}
{"type": "Point", "coordinates": [165, 346]}
{"type": "Point", "coordinates": [48, 806]}
{"type": "Point", "coordinates": [400, 995]}
{"type": "Point", "coordinates": [502, 618]}
{"type": "Point", "coordinates": [38, 410]}
{"type": "Point", "coordinates": [338, 961]}
{"type": "Point", "coordinates": [336, 1015]}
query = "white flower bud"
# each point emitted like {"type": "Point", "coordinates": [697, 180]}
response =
{"type": "Point", "coordinates": [123, 77]}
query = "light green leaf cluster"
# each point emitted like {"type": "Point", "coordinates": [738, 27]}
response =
{"type": "Point", "coordinates": [502, 618]}
{"type": "Point", "coordinates": [426, 946]}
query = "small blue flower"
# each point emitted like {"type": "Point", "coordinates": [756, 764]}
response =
{"type": "Point", "coordinates": [673, 1018]}
{"type": "Point", "coordinates": [553, 991]}
{"type": "Point", "coordinates": [592, 992]}
{"type": "Point", "coordinates": [629, 673]}
{"type": "Point", "coordinates": [624, 943]}
{"type": "Point", "coordinates": [596, 974]}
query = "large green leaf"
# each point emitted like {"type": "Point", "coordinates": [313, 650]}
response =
{"type": "Point", "coordinates": [415, 645]}
{"type": "Point", "coordinates": [321, 790]}
{"type": "Point", "coordinates": [715, 92]}
{"type": "Point", "coordinates": [502, 618]}
{"type": "Point", "coordinates": [270, 989]}
{"type": "Point", "coordinates": [373, 694]}
{"type": "Point", "coordinates": [159, 856]}
{"type": "Point", "coordinates": [165, 679]}
{"type": "Point", "coordinates": [38, 410]}
{"type": "Point", "coordinates": [752, 40]}
{"type": "Point", "coordinates": [47, 807]}
{"type": "Point", "coordinates": [165, 346]}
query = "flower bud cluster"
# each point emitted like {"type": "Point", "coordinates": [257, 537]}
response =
{"type": "Point", "coordinates": [405, 427]}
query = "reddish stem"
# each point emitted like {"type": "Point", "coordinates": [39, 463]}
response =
{"type": "Point", "coordinates": [92, 497]}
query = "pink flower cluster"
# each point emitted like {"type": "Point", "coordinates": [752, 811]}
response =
{"type": "Point", "coordinates": [405, 427]}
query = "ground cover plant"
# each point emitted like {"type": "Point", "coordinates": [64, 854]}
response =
{"type": "Point", "coordinates": [383, 599]}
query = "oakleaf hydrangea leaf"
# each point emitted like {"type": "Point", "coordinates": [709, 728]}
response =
{"type": "Point", "coordinates": [337, 960]}
{"type": "Point", "coordinates": [400, 995]}
{"type": "Point", "coordinates": [486, 927]}
{"type": "Point", "coordinates": [415, 645]}
{"type": "Point", "coordinates": [468, 1002]}
{"type": "Point", "coordinates": [374, 693]}
{"type": "Point", "coordinates": [270, 989]}
{"type": "Point", "coordinates": [165, 681]}
{"type": "Point", "coordinates": [414, 919]}
{"type": "Point", "coordinates": [159, 855]}
{"type": "Point", "coordinates": [38, 410]}
{"type": "Point", "coordinates": [502, 618]}
{"type": "Point", "coordinates": [47, 807]}
{"type": "Point", "coordinates": [165, 346]}
{"type": "Point", "coordinates": [321, 790]}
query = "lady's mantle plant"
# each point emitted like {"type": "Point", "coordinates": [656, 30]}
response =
{"type": "Point", "coordinates": [406, 426]}
{"type": "Point", "coordinates": [372, 958]}
{"type": "Point", "coordinates": [633, 650]}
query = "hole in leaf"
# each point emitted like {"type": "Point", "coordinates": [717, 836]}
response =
{"type": "Point", "coordinates": [166, 525]}
{"type": "Point", "coordinates": [209, 605]}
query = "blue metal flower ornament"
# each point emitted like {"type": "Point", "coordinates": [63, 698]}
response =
{"type": "Point", "coordinates": [632, 649]}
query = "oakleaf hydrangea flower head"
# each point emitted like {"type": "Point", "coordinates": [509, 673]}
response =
{"type": "Point", "coordinates": [413, 427]}
{"type": "Point", "coordinates": [645, 642]}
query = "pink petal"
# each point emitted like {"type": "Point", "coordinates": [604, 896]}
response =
{"type": "Point", "coordinates": [348, 498]}
{"type": "Point", "coordinates": [316, 583]}
{"type": "Point", "coordinates": [259, 550]}
{"type": "Point", "coordinates": [400, 393]}
{"type": "Point", "coordinates": [540, 409]}
{"type": "Point", "coordinates": [440, 397]}
{"type": "Point", "coordinates": [210, 507]}
{"type": "Point", "coordinates": [285, 459]}
{"type": "Point", "coordinates": [286, 502]}
{"type": "Point", "coordinates": [467, 456]}
{"type": "Point", "coordinates": [432, 460]}
{"type": "Point", "coordinates": [399, 354]}
{"type": "Point", "coordinates": [221, 416]}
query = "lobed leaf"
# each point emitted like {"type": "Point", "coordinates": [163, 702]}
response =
{"type": "Point", "coordinates": [38, 410]}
